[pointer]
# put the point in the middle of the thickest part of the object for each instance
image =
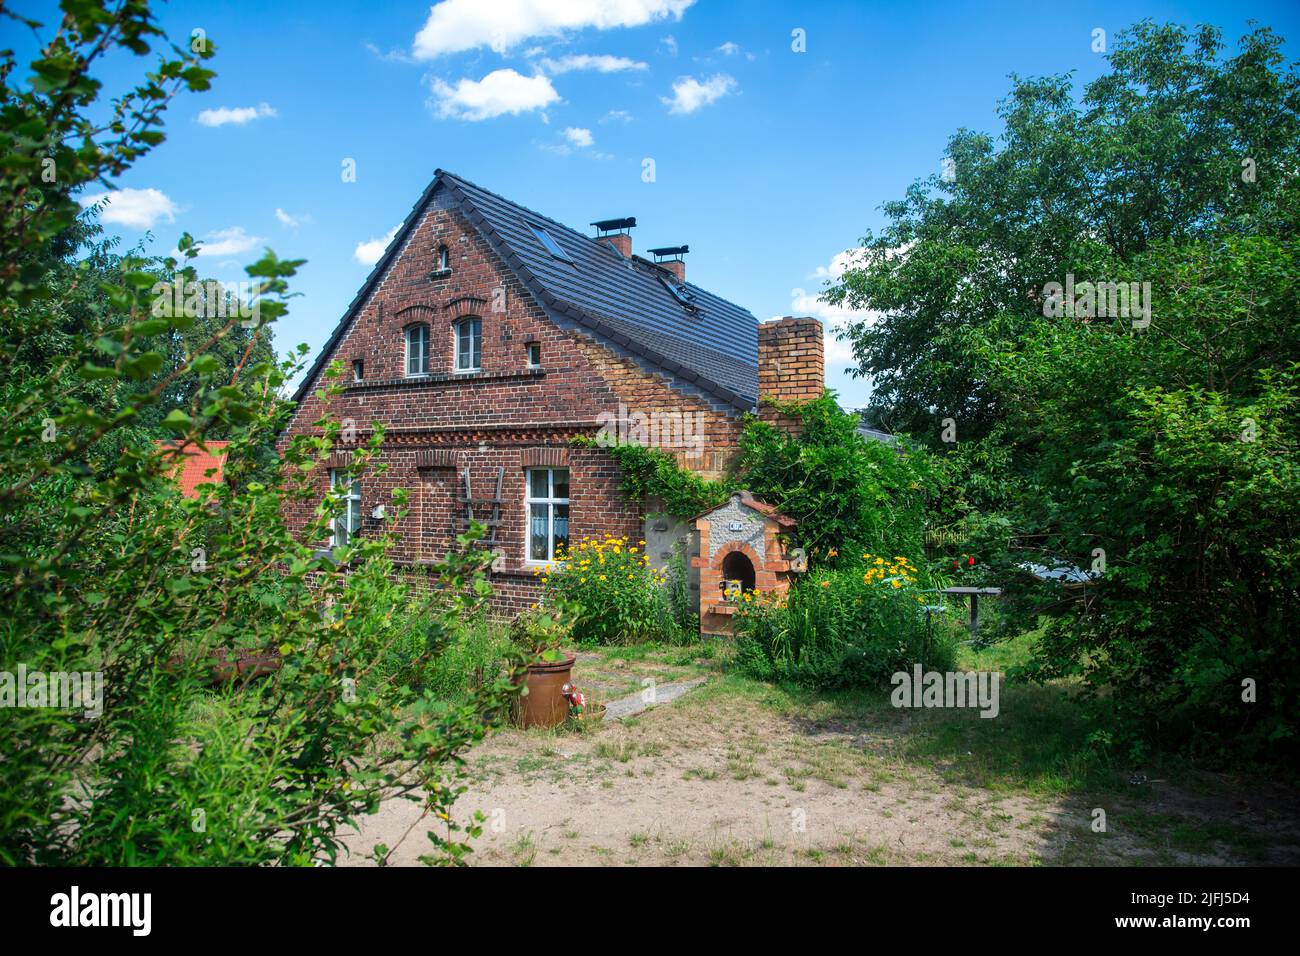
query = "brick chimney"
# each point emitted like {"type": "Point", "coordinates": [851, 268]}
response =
{"type": "Point", "coordinates": [670, 259]}
{"type": "Point", "coordinates": [791, 366]}
{"type": "Point", "coordinates": [621, 241]}
{"type": "Point", "coordinates": [615, 233]}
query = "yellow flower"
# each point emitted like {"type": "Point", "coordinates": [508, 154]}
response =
{"type": "Point", "coordinates": [896, 583]}
{"type": "Point", "coordinates": [826, 584]}
{"type": "Point", "coordinates": [602, 577]}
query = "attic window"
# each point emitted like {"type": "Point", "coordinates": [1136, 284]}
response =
{"type": "Point", "coordinates": [553, 247]}
{"type": "Point", "coordinates": [680, 293]}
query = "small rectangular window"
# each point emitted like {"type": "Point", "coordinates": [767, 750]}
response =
{"type": "Point", "coordinates": [469, 345]}
{"type": "Point", "coordinates": [548, 512]}
{"type": "Point", "coordinates": [534, 354]}
{"type": "Point", "coordinates": [348, 521]}
{"type": "Point", "coordinates": [417, 350]}
{"type": "Point", "coordinates": [358, 370]}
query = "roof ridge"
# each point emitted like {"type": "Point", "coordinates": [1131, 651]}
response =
{"type": "Point", "coordinates": [531, 212]}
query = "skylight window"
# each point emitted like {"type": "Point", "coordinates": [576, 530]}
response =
{"type": "Point", "coordinates": [553, 247]}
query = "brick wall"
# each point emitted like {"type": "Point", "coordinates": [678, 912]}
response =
{"type": "Point", "coordinates": [791, 365]}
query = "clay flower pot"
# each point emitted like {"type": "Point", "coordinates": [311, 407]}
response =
{"type": "Point", "coordinates": [544, 704]}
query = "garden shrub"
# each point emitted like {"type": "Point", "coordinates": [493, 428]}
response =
{"type": "Point", "coordinates": [618, 598]}
{"type": "Point", "coordinates": [106, 569]}
{"type": "Point", "coordinates": [851, 626]}
{"type": "Point", "coordinates": [472, 658]}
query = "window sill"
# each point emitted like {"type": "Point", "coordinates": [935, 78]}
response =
{"type": "Point", "coordinates": [439, 274]}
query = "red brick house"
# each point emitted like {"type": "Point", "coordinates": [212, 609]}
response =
{"type": "Point", "coordinates": [489, 335]}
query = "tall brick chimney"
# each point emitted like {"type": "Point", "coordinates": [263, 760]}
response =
{"type": "Point", "coordinates": [791, 365]}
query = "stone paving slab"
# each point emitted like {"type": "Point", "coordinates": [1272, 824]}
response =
{"type": "Point", "coordinates": [635, 703]}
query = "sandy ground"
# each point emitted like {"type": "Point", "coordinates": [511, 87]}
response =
{"type": "Point", "coordinates": [742, 786]}
{"type": "Point", "coordinates": [716, 777]}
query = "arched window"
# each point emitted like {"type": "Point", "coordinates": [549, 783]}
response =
{"type": "Point", "coordinates": [444, 259]}
{"type": "Point", "coordinates": [469, 344]}
{"type": "Point", "coordinates": [417, 350]}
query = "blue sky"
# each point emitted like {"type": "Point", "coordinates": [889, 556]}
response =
{"type": "Point", "coordinates": [768, 162]}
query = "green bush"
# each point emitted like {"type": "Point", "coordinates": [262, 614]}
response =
{"type": "Point", "coordinates": [617, 596]}
{"type": "Point", "coordinates": [473, 657]}
{"type": "Point", "coordinates": [852, 626]}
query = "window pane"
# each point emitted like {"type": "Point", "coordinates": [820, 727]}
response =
{"type": "Point", "coordinates": [354, 513]}
{"type": "Point", "coordinates": [561, 526]}
{"type": "Point", "coordinates": [561, 483]}
{"type": "Point", "coordinates": [537, 532]}
{"type": "Point", "coordinates": [476, 339]}
{"type": "Point", "coordinates": [537, 483]}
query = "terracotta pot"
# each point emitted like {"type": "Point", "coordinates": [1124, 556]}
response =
{"type": "Point", "coordinates": [545, 704]}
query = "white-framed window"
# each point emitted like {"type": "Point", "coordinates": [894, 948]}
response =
{"type": "Point", "coordinates": [469, 344]}
{"type": "Point", "coordinates": [548, 512]}
{"type": "Point", "coordinates": [348, 522]}
{"type": "Point", "coordinates": [417, 350]}
{"type": "Point", "coordinates": [444, 259]}
{"type": "Point", "coordinates": [534, 354]}
{"type": "Point", "coordinates": [358, 370]}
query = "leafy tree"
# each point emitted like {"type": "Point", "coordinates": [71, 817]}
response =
{"type": "Point", "coordinates": [1174, 143]}
{"type": "Point", "coordinates": [105, 569]}
{"type": "Point", "coordinates": [1158, 456]}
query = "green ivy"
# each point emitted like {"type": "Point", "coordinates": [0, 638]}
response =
{"type": "Point", "coordinates": [654, 473]}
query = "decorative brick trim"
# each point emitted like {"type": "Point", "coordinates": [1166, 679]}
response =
{"type": "Point", "coordinates": [436, 457]}
{"type": "Point", "coordinates": [545, 458]}
{"type": "Point", "coordinates": [412, 319]}
{"type": "Point", "coordinates": [339, 459]}
{"type": "Point", "coordinates": [465, 305]}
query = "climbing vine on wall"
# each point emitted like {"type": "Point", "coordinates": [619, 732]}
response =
{"type": "Point", "coordinates": [654, 473]}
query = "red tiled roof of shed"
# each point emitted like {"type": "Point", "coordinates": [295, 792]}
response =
{"type": "Point", "coordinates": [193, 471]}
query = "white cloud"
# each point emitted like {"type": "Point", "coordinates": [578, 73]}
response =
{"type": "Point", "coordinates": [840, 263]}
{"type": "Point", "coordinates": [619, 116]}
{"type": "Point", "coordinates": [133, 208]}
{"type": "Point", "coordinates": [669, 43]}
{"type": "Point", "coordinates": [579, 136]}
{"type": "Point", "coordinates": [368, 253]}
{"type": "Point", "coordinates": [601, 63]}
{"type": "Point", "coordinates": [228, 242]}
{"type": "Point", "coordinates": [498, 93]}
{"type": "Point", "coordinates": [239, 115]}
{"type": "Point", "coordinates": [689, 94]}
{"type": "Point", "coordinates": [285, 218]}
{"type": "Point", "coordinates": [457, 25]}
{"type": "Point", "coordinates": [729, 48]}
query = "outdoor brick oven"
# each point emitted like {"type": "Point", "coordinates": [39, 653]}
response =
{"type": "Point", "coordinates": [743, 547]}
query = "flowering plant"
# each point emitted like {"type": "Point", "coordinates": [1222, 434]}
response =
{"type": "Point", "coordinates": [617, 595]}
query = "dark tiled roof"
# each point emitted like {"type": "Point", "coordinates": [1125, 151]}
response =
{"type": "Point", "coordinates": [623, 302]}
